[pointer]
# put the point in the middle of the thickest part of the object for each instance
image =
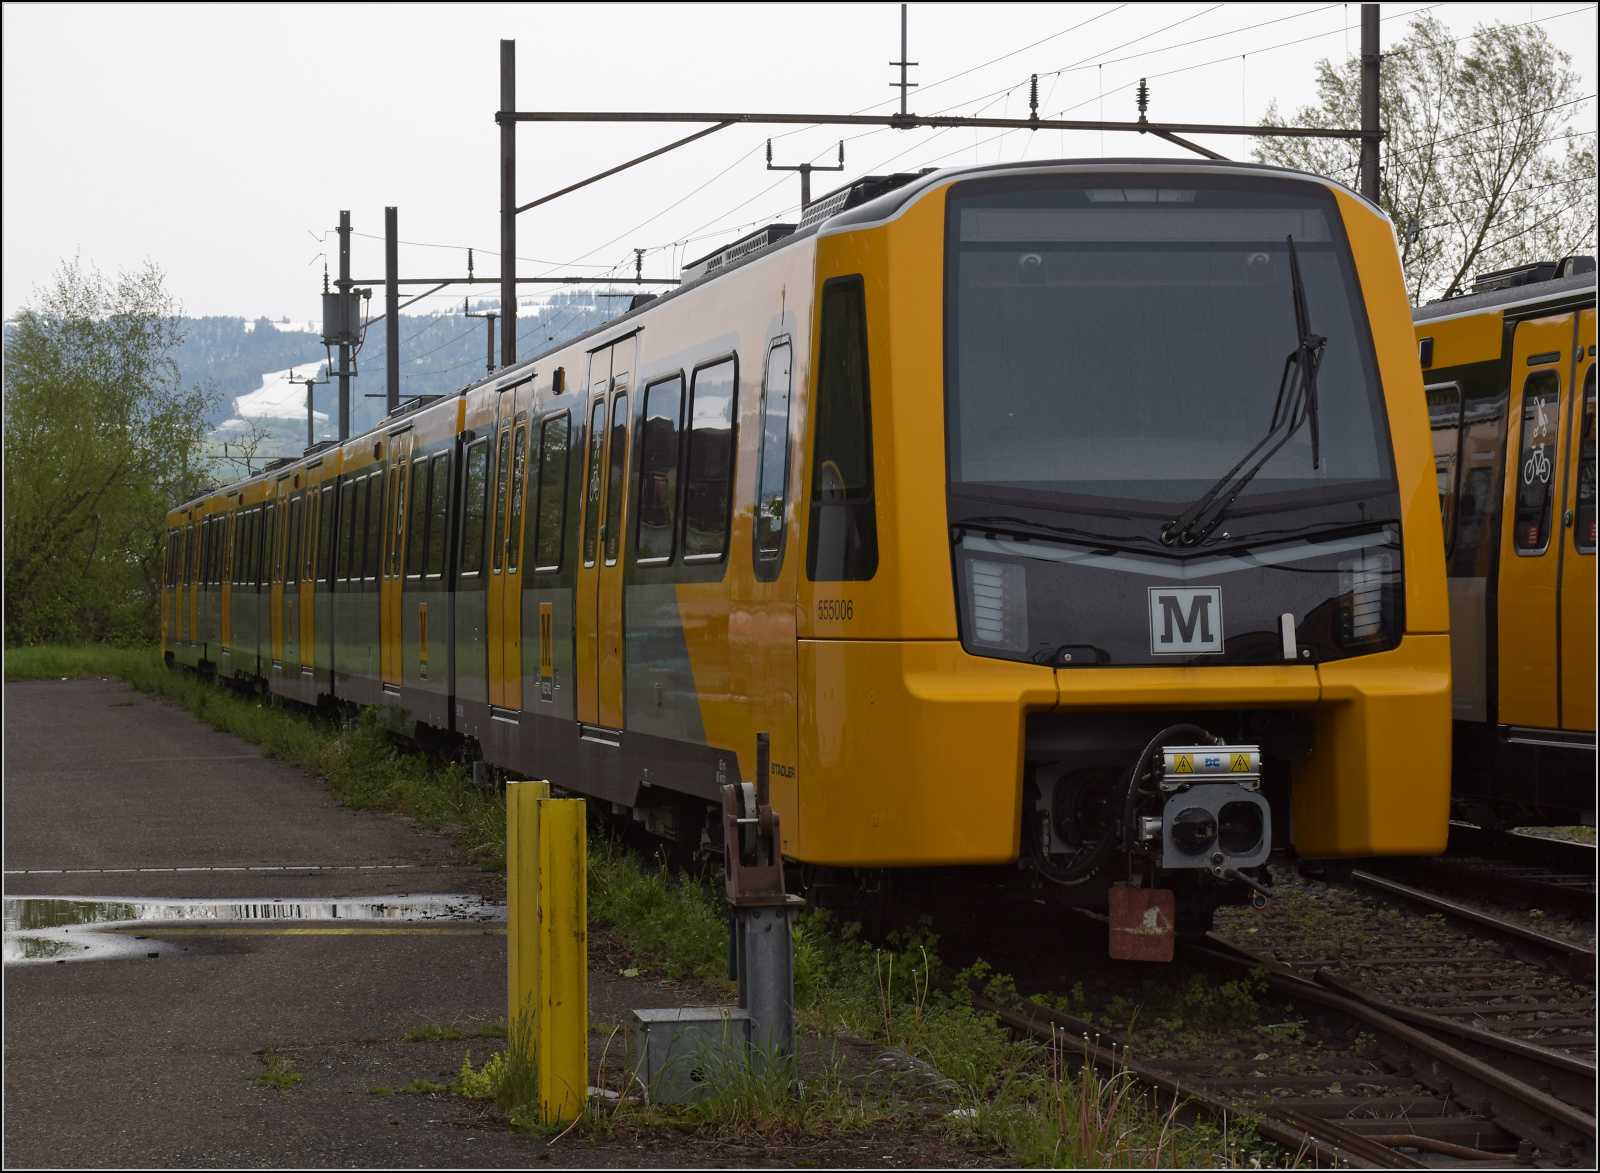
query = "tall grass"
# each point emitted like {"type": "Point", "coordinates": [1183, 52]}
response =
{"type": "Point", "coordinates": [362, 765]}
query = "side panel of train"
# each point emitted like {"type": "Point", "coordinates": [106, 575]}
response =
{"type": "Point", "coordinates": [1511, 396]}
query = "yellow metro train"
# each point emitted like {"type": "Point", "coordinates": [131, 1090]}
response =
{"type": "Point", "coordinates": [1509, 373]}
{"type": "Point", "coordinates": [1074, 519]}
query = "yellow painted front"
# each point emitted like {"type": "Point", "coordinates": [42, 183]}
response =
{"type": "Point", "coordinates": [1528, 668]}
{"type": "Point", "coordinates": [911, 752]}
{"type": "Point", "coordinates": [1410, 433]}
{"type": "Point", "coordinates": [1577, 570]}
{"type": "Point", "coordinates": [1377, 781]}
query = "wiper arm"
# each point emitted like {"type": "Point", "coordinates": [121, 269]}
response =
{"type": "Point", "coordinates": [1295, 406]}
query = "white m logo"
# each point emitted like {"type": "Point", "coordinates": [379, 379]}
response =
{"type": "Point", "coordinates": [1185, 620]}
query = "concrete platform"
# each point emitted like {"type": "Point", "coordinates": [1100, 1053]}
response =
{"type": "Point", "coordinates": [151, 1062]}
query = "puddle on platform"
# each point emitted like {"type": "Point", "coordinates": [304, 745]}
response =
{"type": "Point", "coordinates": [70, 928]}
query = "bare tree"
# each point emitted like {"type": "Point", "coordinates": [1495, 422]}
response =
{"type": "Point", "coordinates": [240, 453]}
{"type": "Point", "coordinates": [1483, 167]}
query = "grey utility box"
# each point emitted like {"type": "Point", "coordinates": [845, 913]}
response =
{"type": "Point", "coordinates": [680, 1049]}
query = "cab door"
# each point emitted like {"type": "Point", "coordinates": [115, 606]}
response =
{"type": "Point", "coordinates": [1530, 561]}
{"type": "Point", "coordinates": [393, 578]}
{"type": "Point", "coordinates": [587, 600]}
{"type": "Point", "coordinates": [504, 588]}
{"type": "Point", "coordinates": [1578, 540]}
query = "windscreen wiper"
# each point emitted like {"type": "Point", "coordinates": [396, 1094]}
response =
{"type": "Point", "coordinates": [1296, 405]}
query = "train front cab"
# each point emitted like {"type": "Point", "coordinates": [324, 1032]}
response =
{"type": "Point", "coordinates": [1510, 381]}
{"type": "Point", "coordinates": [997, 719]}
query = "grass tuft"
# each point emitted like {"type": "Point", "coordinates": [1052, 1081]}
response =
{"type": "Point", "coordinates": [279, 1075]}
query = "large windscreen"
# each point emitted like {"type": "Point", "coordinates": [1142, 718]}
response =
{"type": "Point", "coordinates": [1124, 342]}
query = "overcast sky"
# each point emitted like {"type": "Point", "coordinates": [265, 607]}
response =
{"type": "Point", "coordinates": [222, 141]}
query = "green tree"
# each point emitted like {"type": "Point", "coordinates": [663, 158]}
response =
{"type": "Point", "coordinates": [1482, 167]}
{"type": "Point", "coordinates": [100, 441]}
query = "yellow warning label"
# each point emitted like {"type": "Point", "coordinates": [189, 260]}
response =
{"type": "Point", "coordinates": [1241, 763]}
{"type": "Point", "coordinates": [1185, 764]}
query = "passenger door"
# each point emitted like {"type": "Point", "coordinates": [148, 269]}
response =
{"type": "Point", "coordinates": [1528, 648]}
{"type": "Point", "coordinates": [392, 581]}
{"type": "Point", "coordinates": [504, 601]}
{"type": "Point", "coordinates": [587, 601]}
{"type": "Point", "coordinates": [600, 571]}
{"type": "Point", "coordinates": [1578, 540]}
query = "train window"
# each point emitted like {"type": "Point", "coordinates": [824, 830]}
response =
{"type": "Point", "coordinates": [1541, 398]}
{"type": "Point", "coordinates": [357, 559]}
{"type": "Point", "coordinates": [708, 483]}
{"type": "Point", "coordinates": [171, 543]}
{"type": "Point", "coordinates": [658, 470]}
{"type": "Point", "coordinates": [324, 565]}
{"type": "Point", "coordinates": [308, 545]}
{"type": "Point", "coordinates": [345, 557]}
{"type": "Point", "coordinates": [416, 538]}
{"type": "Point", "coordinates": [372, 512]}
{"type": "Point", "coordinates": [1444, 418]}
{"type": "Point", "coordinates": [552, 517]}
{"type": "Point", "coordinates": [617, 474]}
{"type": "Point", "coordinates": [241, 548]}
{"type": "Point", "coordinates": [519, 465]}
{"type": "Point", "coordinates": [774, 473]}
{"type": "Point", "coordinates": [269, 541]}
{"type": "Point", "coordinates": [397, 522]}
{"type": "Point", "coordinates": [502, 482]}
{"type": "Point", "coordinates": [438, 512]}
{"type": "Point", "coordinates": [591, 495]}
{"type": "Point", "coordinates": [843, 543]}
{"type": "Point", "coordinates": [474, 507]}
{"type": "Point", "coordinates": [291, 558]}
{"type": "Point", "coordinates": [1584, 518]}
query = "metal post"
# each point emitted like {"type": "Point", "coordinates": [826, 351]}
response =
{"type": "Point", "coordinates": [311, 428]}
{"type": "Point", "coordinates": [391, 313]}
{"type": "Point", "coordinates": [508, 201]}
{"type": "Point", "coordinates": [1369, 101]}
{"type": "Point", "coordinates": [547, 952]}
{"type": "Point", "coordinates": [488, 367]}
{"type": "Point", "coordinates": [343, 286]}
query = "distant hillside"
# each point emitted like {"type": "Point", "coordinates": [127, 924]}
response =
{"type": "Point", "coordinates": [439, 354]}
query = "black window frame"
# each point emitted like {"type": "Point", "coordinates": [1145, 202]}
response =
{"type": "Point", "coordinates": [769, 561]}
{"type": "Point", "coordinates": [687, 558]}
{"type": "Point", "coordinates": [675, 495]}
{"type": "Point", "coordinates": [480, 444]}
{"type": "Point", "coordinates": [860, 506]}
{"type": "Point", "coordinates": [561, 485]}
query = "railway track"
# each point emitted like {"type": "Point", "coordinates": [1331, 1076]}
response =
{"type": "Point", "coordinates": [1429, 1039]}
{"type": "Point", "coordinates": [1538, 878]}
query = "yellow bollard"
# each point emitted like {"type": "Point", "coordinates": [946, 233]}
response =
{"type": "Point", "coordinates": [547, 940]}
